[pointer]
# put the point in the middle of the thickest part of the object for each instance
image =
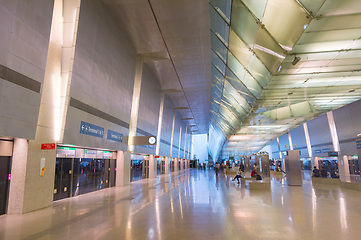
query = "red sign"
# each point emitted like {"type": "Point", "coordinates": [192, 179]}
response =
{"type": "Point", "coordinates": [156, 157]}
{"type": "Point", "coordinates": [47, 146]}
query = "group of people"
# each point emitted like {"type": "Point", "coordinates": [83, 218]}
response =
{"type": "Point", "coordinates": [323, 172]}
{"type": "Point", "coordinates": [241, 172]}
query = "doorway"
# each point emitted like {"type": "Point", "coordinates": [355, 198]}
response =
{"type": "Point", "coordinates": [5, 163]}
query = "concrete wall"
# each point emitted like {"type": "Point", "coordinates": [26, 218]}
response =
{"type": "Point", "coordinates": [24, 30]}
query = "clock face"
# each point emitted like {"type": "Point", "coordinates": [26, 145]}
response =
{"type": "Point", "coordinates": [151, 140]}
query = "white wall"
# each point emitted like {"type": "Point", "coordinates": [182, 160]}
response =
{"type": "Point", "coordinates": [200, 147]}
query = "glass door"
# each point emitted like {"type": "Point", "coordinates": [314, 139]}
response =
{"type": "Point", "coordinates": [4, 182]}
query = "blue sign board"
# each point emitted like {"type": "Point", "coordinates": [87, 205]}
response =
{"type": "Point", "coordinates": [92, 130]}
{"type": "Point", "coordinates": [318, 151]}
{"type": "Point", "coordinates": [358, 144]}
{"type": "Point", "coordinates": [115, 136]}
{"type": "Point", "coordinates": [326, 150]}
{"type": "Point", "coordinates": [151, 146]}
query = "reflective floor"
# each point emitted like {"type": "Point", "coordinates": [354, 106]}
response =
{"type": "Point", "coordinates": [195, 205]}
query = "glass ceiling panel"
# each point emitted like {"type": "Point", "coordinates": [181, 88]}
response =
{"type": "Point", "coordinates": [218, 47]}
{"type": "Point", "coordinates": [336, 22]}
{"type": "Point", "coordinates": [223, 5]}
{"type": "Point", "coordinates": [312, 5]}
{"type": "Point", "coordinates": [259, 71]}
{"type": "Point", "coordinates": [234, 105]}
{"type": "Point", "coordinates": [256, 7]}
{"type": "Point", "coordinates": [268, 51]}
{"type": "Point", "coordinates": [218, 25]}
{"type": "Point", "coordinates": [216, 61]}
{"type": "Point", "coordinates": [238, 48]}
{"type": "Point", "coordinates": [343, 7]}
{"type": "Point", "coordinates": [326, 36]}
{"type": "Point", "coordinates": [241, 73]}
{"type": "Point", "coordinates": [285, 20]}
{"type": "Point", "coordinates": [240, 87]}
{"type": "Point", "coordinates": [243, 23]}
{"type": "Point", "coordinates": [235, 95]}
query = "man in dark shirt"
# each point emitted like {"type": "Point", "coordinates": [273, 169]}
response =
{"type": "Point", "coordinates": [315, 172]}
{"type": "Point", "coordinates": [323, 172]}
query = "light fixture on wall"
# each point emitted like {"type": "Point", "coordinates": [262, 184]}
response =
{"type": "Point", "coordinates": [296, 60]}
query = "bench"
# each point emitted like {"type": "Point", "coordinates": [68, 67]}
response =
{"type": "Point", "coordinates": [324, 180]}
{"type": "Point", "coordinates": [258, 184]}
{"type": "Point", "coordinates": [243, 180]}
{"type": "Point", "coordinates": [351, 186]}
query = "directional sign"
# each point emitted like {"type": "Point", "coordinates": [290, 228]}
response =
{"type": "Point", "coordinates": [318, 151]}
{"type": "Point", "coordinates": [92, 130]}
{"type": "Point", "coordinates": [151, 147]}
{"type": "Point", "coordinates": [326, 150]}
{"type": "Point", "coordinates": [115, 136]}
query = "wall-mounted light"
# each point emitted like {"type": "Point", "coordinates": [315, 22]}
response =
{"type": "Point", "coordinates": [296, 60]}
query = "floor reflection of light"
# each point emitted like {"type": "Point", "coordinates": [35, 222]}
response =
{"type": "Point", "coordinates": [151, 233]}
{"type": "Point", "coordinates": [343, 219]}
{"type": "Point", "coordinates": [314, 208]}
{"type": "Point", "coordinates": [180, 202]}
{"type": "Point", "coordinates": [158, 218]}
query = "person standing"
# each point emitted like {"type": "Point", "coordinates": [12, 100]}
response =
{"type": "Point", "coordinates": [217, 167]}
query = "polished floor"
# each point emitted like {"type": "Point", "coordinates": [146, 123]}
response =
{"type": "Point", "coordinates": [195, 205]}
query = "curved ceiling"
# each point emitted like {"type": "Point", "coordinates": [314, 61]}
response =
{"type": "Point", "coordinates": [277, 64]}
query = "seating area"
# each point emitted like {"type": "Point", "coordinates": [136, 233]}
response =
{"type": "Point", "coordinates": [324, 180]}
{"type": "Point", "coordinates": [258, 184]}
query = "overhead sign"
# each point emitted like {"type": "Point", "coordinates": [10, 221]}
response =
{"type": "Point", "coordinates": [115, 136]}
{"type": "Point", "coordinates": [47, 146]}
{"type": "Point", "coordinates": [107, 154]}
{"type": "Point", "coordinates": [90, 153]}
{"type": "Point", "coordinates": [92, 130]}
{"type": "Point", "coordinates": [333, 154]}
{"type": "Point", "coordinates": [326, 150]}
{"type": "Point", "coordinates": [318, 151]}
{"type": "Point", "coordinates": [151, 147]}
{"type": "Point", "coordinates": [65, 152]}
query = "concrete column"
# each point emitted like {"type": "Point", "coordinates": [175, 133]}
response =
{"type": "Point", "coordinates": [185, 143]}
{"type": "Point", "coordinates": [167, 165]}
{"type": "Point", "coordinates": [308, 143]}
{"type": "Point", "coordinates": [135, 102]}
{"type": "Point", "coordinates": [333, 131]}
{"type": "Point", "coordinates": [171, 140]}
{"type": "Point", "coordinates": [180, 139]}
{"type": "Point", "coordinates": [160, 120]}
{"type": "Point", "coordinates": [290, 140]}
{"type": "Point", "coordinates": [38, 191]}
{"type": "Point", "coordinates": [18, 172]}
{"type": "Point", "coordinates": [123, 168]}
{"type": "Point", "coordinates": [181, 164]}
{"type": "Point", "coordinates": [189, 146]}
{"type": "Point", "coordinates": [343, 168]}
{"type": "Point", "coordinates": [152, 174]}
{"type": "Point", "coordinates": [175, 164]}
{"type": "Point", "coordinates": [279, 148]}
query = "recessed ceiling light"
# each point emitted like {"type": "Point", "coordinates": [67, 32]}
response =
{"type": "Point", "coordinates": [305, 26]}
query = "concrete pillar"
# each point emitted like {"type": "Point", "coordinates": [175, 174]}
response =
{"type": "Point", "coordinates": [123, 168]}
{"type": "Point", "coordinates": [181, 164]}
{"type": "Point", "coordinates": [18, 173]}
{"type": "Point", "coordinates": [185, 143]}
{"type": "Point", "coordinates": [180, 139]}
{"type": "Point", "coordinates": [135, 102]}
{"type": "Point", "coordinates": [343, 168]}
{"type": "Point", "coordinates": [166, 165]}
{"type": "Point", "coordinates": [290, 140]}
{"type": "Point", "coordinates": [172, 136]}
{"type": "Point", "coordinates": [152, 163]}
{"type": "Point", "coordinates": [38, 190]}
{"type": "Point", "coordinates": [160, 120]}
{"type": "Point", "coordinates": [175, 164]}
